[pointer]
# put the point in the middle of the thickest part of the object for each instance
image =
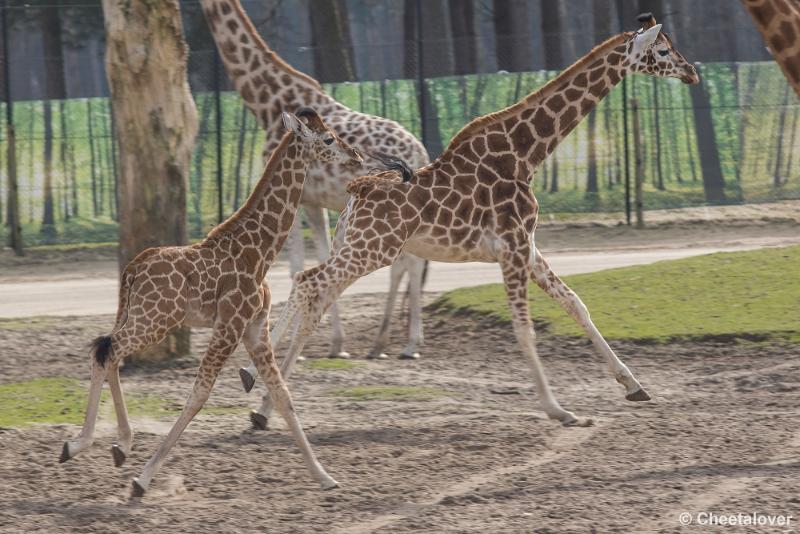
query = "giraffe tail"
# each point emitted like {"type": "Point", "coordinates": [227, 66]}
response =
{"type": "Point", "coordinates": [101, 348]}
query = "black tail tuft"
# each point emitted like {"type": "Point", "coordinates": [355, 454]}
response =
{"type": "Point", "coordinates": [393, 163]}
{"type": "Point", "coordinates": [101, 348]}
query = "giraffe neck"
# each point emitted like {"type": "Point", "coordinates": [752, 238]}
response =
{"type": "Point", "coordinates": [518, 138]}
{"type": "Point", "coordinates": [266, 83]}
{"type": "Point", "coordinates": [264, 220]}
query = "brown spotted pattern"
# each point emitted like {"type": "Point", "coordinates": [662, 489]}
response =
{"type": "Point", "coordinates": [778, 21]}
{"type": "Point", "coordinates": [474, 203]}
{"type": "Point", "coordinates": [268, 86]}
{"type": "Point", "coordinates": [219, 282]}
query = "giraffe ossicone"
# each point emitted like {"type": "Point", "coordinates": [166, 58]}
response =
{"type": "Point", "coordinates": [218, 283]}
{"type": "Point", "coordinates": [475, 203]}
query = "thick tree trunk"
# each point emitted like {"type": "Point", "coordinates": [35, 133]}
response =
{"type": "Point", "coordinates": [92, 158]}
{"type": "Point", "coordinates": [156, 124]}
{"type": "Point", "coordinates": [465, 49]}
{"type": "Point", "coordinates": [591, 175]}
{"type": "Point", "coordinates": [333, 49]}
{"type": "Point", "coordinates": [713, 182]}
{"type": "Point", "coordinates": [48, 230]}
{"type": "Point", "coordinates": [776, 173]}
{"type": "Point", "coordinates": [512, 29]}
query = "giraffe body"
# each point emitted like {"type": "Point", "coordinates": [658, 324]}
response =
{"type": "Point", "coordinates": [778, 21]}
{"type": "Point", "coordinates": [474, 203]}
{"type": "Point", "coordinates": [268, 86]}
{"type": "Point", "coordinates": [217, 283]}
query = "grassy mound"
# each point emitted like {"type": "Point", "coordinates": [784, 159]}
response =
{"type": "Point", "coordinates": [751, 295]}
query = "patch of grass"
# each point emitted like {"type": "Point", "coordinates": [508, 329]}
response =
{"type": "Point", "coordinates": [63, 400]}
{"type": "Point", "coordinates": [331, 364]}
{"type": "Point", "coordinates": [751, 295]}
{"type": "Point", "coordinates": [43, 322]}
{"type": "Point", "coordinates": [390, 393]}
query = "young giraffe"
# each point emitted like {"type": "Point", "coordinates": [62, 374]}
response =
{"type": "Point", "coordinates": [267, 85]}
{"type": "Point", "coordinates": [778, 21]}
{"type": "Point", "coordinates": [216, 283]}
{"type": "Point", "coordinates": [474, 203]}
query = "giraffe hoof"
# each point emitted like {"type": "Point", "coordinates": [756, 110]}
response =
{"type": "Point", "coordinates": [118, 454]}
{"type": "Point", "coordinates": [65, 455]}
{"type": "Point", "coordinates": [247, 379]}
{"type": "Point", "coordinates": [137, 489]}
{"type": "Point", "coordinates": [412, 356]}
{"type": "Point", "coordinates": [378, 356]}
{"type": "Point", "coordinates": [259, 421]}
{"type": "Point", "coordinates": [329, 484]}
{"type": "Point", "coordinates": [578, 422]}
{"type": "Point", "coordinates": [639, 395]}
{"type": "Point", "coordinates": [340, 355]}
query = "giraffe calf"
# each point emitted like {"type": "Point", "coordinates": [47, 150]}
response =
{"type": "Point", "coordinates": [218, 283]}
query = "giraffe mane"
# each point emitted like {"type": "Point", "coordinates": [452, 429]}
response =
{"type": "Point", "coordinates": [273, 56]}
{"type": "Point", "coordinates": [232, 223]}
{"type": "Point", "coordinates": [478, 124]}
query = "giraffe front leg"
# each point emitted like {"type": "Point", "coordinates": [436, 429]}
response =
{"type": "Point", "coordinates": [260, 349]}
{"type": "Point", "coordinates": [221, 346]}
{"type": "Point", "coordinates": [318, 222]}
{"type": "Point", "coordinates": [516, 267]}
{"type": "Point", "coordinates": [545, 278]}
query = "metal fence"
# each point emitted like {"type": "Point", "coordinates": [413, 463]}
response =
{"type": "Point", "coordinates": [66, 152]}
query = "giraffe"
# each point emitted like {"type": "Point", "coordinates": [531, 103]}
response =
{"type": "Point", "coordinates": [778, 21]}
{"type": "Point", "coordinates": [217, 283]}
{"type": "Point", "coordinates": [475, 203]}
{"type": "Point", "coordinates": [267, 85]}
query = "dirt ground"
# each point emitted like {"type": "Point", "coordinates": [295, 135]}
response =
{"type": "Point", "coordinates": [721, 435]}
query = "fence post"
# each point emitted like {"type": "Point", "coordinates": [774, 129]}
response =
{"type": "Point", "coordinates": [637, 148]}
{"type": "Point", "coordinates": [14, 230]}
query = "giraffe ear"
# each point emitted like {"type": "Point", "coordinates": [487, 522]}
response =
{"type": "Point", "coordinates": [646, 38]}
{"type": "Point", "coordinates": [292, 123]}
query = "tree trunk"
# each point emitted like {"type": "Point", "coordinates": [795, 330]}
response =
{"type": "Point", "coordinates": [776, 174]}
{"type": "Point", "coordinates": [64, 158]}
{"type": "Point", "coordinates": [656, 111]}
{"type": "Point", "coordinates": [237, 172]}
{"type": "Point", "coordinates": [48, 230]}
{"type": "Point", "coordinates": [92, 159]}
{"type": "Point", "coordinates": [197, 190]}
{"type": "Point", "coordinates": [333, 50]}
{"type": "Point", "coordinates": [156, 124]}
{"type": "Point", "coordinates": [591, 175]}
{"type": "Point", "coordinates": [465, 52]}
{"type": "Point", "coordinates": [512, 30]}
{"type": "Point", "coordinates": [713, 182]}
{"type": "Point", "coordinates": [639, 156]}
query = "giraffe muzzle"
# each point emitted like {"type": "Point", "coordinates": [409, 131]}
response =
{"type": "Point", "coordinates": [690, 76]}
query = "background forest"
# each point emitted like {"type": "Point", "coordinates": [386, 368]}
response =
{"type": "Point", "coordinates": [732, 139]}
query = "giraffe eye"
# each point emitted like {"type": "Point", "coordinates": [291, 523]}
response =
{"type": "Point", "coordinates": [328, 141]}
{"type": "Point", "coordinates": [663, 52]}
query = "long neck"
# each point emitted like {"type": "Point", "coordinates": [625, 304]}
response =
{"type": "Point", "coordinates": [514, 141]}
{"type": "Point", "coordinates": [266, 217]}
{"type": "Point", "coordinates": [779, 25]}
{"type": "Point", "coordinates": [265, 82]}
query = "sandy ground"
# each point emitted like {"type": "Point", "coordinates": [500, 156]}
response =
{"type": "Point", "coordinates": [721, 434]}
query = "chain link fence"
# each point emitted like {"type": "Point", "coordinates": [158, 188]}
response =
{"type": "Point", "coordinates": [473, 57]}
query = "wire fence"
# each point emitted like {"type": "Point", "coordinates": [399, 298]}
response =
{"type": "Point", "coordinates": [67, 155]}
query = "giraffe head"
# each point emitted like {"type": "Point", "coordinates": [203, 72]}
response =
{"type": "Point", "coordinates": [650, 51]}
{"type": "Point", "coordinates": [323, 143]}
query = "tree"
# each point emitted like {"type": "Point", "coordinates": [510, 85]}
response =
{"type": "Point", "coordinates": [713, 182]}
{"type": "Point", "coordinates": [156, 124]}
{"type": "Point", "coordinates": [553, 59]}
{"type": "Point", "coordinates": [55, 87]}
{"type": "Point", "coordinates": [333, 50]}
{"type": "Point", "coordinates": [512, 34]}
{"type": "Point", "coordinates": [465, 51]}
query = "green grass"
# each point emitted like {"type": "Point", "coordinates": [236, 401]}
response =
{"type": "Point", "coordinates": [750, 295]}
{"type": "Point", "coordinates": [40, 322]}
{"type": "Point", "coordinates": [390, 393]}
{"type": "Point", "coordinates": [63, 400]}
{"type": "Point", "coordinates": [331, 364]}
